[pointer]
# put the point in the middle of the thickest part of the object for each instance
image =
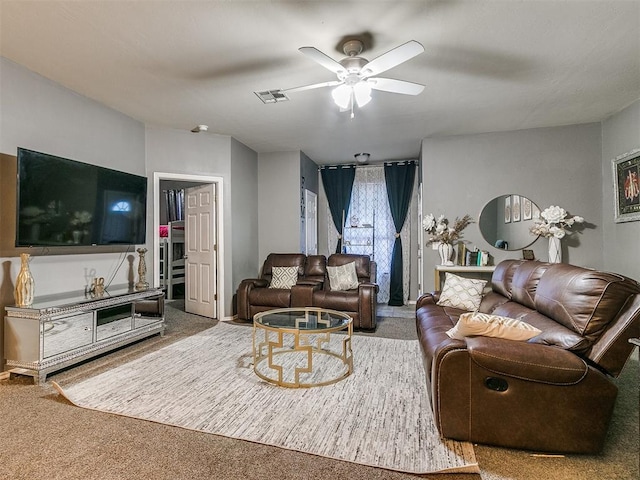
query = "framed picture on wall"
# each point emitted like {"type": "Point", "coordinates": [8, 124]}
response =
{"type": "Point", "coordinates": [507, 209]}
{"type": "Point", "coordinates": [626, 185]}
{"type": "Point", "coordinates": [526, 209]}
{"type": "Point", "coordinates": [515, 208]}
{"type": "Point", "coordinates": [528, 255]}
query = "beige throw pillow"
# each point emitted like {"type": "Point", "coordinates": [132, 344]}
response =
{"type": "Point", "coordinates": [283, 277]}
{"type": "Point", "coordinates": [463, 293]}
{"type": "Point", "coordinates": [343, 277]}
{"type": "Point", "coordinates": [476, 323]}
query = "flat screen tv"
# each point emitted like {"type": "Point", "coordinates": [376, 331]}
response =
{"type": "Point", "coordinates": [63, 202]}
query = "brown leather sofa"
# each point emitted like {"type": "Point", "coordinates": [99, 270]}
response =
{"type": "Point", "coordinates": [254, 296]}
{"type": "Point", "coordinates": [360, 303]}
{"type": "Point", "coordinates": [313, 288]}
{"type": "Point", "coordinates": [553, 393]}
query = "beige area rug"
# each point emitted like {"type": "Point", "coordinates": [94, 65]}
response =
{"type": "Point", "coordinates": [379, 416]}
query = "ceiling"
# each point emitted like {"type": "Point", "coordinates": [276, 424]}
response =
{"type": "Point", "coordinates": [492, 65]}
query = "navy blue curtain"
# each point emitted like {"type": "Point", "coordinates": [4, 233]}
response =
{"type": "Point", "coordinates": [399, 180]}
{"type": "Point", "coordinates": [338, 183]}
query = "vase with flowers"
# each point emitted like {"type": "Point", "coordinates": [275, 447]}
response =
{"type": "Point", "coordinates": [80, 222]}
{"type": "Point", "coordinates": [443, 234]}
{"type": "Point", "coordinates": [554, 223]}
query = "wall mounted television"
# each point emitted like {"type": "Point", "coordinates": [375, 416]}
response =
{"type": "Point", "coordinates": [63, 202]}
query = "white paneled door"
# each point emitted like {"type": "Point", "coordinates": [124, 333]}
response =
{"type": "Point", "coordinates": [311, 223]}
{"type": "Point", "coordinates": [201, 251]}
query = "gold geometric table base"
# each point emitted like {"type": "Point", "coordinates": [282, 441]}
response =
{"type": "Point", "coordinates": [294, 357]}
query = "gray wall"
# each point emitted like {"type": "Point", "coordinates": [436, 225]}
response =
{"type": "Point", "coordinates": [38, 114]}
{"type": "Point", "coordinates": [551, 166]}
{"type": "Point", "coordinates": [244, 213]}
{"type": "Point", "coordinates": [620, 134]}
{"type": "Point", "coordinates": [278, 204]}
{"type": "Point", "coordinates": [180, 151]}
{"type": "Point", "coordinates": [569, 166]}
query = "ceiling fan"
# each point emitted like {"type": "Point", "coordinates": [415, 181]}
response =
{"type": "Point", "coordinates": [356, 75]}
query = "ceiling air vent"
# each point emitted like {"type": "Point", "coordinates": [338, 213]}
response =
{"type": "Point", "coordinates": [272, 96]}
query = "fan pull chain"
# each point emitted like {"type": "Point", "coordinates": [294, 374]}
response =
{"type": "Point", "coordinates": [352, 115]}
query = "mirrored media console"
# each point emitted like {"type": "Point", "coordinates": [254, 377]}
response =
{"type": "Point", "coordinates": [61, 330]}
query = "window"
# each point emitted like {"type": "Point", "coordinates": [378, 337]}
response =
{"type": "Point", "coordinates": [121, 207]}
{"type": "Point", "coordinates": [368, 201]}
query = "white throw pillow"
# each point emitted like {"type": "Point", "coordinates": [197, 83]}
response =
{"type": "Point", "coordinates": [463, 293]}
{"type": "Point", "coordinates": [343, 277]}
{"type": "Point", "coordinates": [476, 323]}
{"type": "Point", "coordinates": [283, 277]}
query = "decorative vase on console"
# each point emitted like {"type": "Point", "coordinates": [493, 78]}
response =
{"type": "Point", "coordinates": [142, 271]}
{"type": "Point", "coordinates": [444, 235]}
{"type": "Point", "coordinates": [80, 222]}
{"type": "Point", "coordinates": [555, 250]}
{"type": "Point", "coordinates": [554, 225]}
{"type": "Point", "coordinates": [446, 252]}
{"type": "Point", "coordinates": [24, 283]}
{"type": "Point", "coordinates": [77, 236]}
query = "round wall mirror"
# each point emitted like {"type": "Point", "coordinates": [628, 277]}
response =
{"type": "Point", "coordinates": [505, 222]}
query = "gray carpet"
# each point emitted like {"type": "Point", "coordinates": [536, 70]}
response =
{"type": "Point", "coordinates": [386, 311]}
{"type": "Point", "coordinates": [42, 436]}
{"type": "Point", "coordinates": [379, 416]}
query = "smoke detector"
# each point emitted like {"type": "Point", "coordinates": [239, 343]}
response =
{"type": "Point", "coordinates": [200, 128]}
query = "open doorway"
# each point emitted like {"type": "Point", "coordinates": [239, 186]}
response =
{"type": "Point", "coordinates": [193, 289]}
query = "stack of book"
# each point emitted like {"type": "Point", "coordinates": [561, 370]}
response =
{"type": "Point", "coordinates": [472, 258]}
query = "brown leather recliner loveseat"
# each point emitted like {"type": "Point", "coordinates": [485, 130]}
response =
{"type": "Point", "coordinates": [312, 288]}
{"type": "Point", "coordinates": [552, 393]}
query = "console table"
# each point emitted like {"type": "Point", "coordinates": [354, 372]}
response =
{"type": "Point", "coordinates": [470, 271]}
{"type": "Point", "coordinates": [57, 331]}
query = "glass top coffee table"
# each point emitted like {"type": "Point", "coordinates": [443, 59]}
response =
{"type": "Point", "coordinates": [302, 347]}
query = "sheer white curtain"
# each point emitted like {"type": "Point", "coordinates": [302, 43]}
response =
{"type": "Point", "coordinates": [369, 199]}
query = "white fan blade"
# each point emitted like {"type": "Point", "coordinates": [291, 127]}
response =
{"type": "Point", "coordinates": [311, 87]}
{"type": "Point", "coordinates": [324, 60]}
{"type": "Point", "coordinates": [392, 58]}
{"type": "Point", "coordinates": [395, 86]}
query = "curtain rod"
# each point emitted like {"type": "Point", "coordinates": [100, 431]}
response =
{"type": "Point", "coordinates": [354, 165]}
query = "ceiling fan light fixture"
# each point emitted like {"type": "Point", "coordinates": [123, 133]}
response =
{"type": "Point", "coordinates": [342, 96]}
{"type": "Point", "coordinates": [357, 76]}
{"type": "Point", "coordinates": [362, 157]}
{"type": "Point", "coordinates": [362, 92]}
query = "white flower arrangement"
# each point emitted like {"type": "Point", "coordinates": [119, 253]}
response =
{"type": "Point", "coordinates": [440, 231]}
{"type": "Point", "coordinates": [554, 223]}
{"type": "Point", "coordinates": [81, 218]}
